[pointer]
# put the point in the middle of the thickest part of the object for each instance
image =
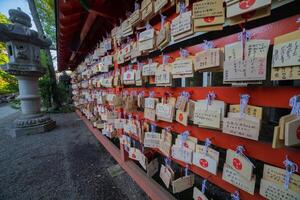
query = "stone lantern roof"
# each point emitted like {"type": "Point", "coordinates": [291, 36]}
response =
{"type": "Point", "coordinates": [20, 30]}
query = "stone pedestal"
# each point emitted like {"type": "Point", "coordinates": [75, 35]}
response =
{"type": "Point", "coordinates": [31, 121]}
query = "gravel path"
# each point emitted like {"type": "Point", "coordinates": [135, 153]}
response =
{"type": "Point", "coordinates": [66, 163]}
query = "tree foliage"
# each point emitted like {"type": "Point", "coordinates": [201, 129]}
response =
{"type": "Point", "coordinates": [46, 13]}
{"type": "Point", "coordinates": [8, 83]}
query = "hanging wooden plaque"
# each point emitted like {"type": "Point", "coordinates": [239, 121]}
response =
{"type": "Point", "coordinates": [159, 4]}
{"type": "Point", "coordinates": [205, 162]}
{"type": "Point", "coordinates": [206, 8]}
{"type": "Point", "coordinates": [240, 164]}
{"type": "Point", "coordinates": [182, 153]}
{"type": "Point", "coordinates": [166, 175]}
{"type": "Point", "coordinates": [273, 191]}
{"type": "Point", "coordinates": [152, 167]}
{"type": "Point", "coordinates": [240, 7]}
{"type": "Point", "coordinates": [198, 195]}
{"type": "Point", "coordinates": [277, 176]}
{"type": "Point", "coordinates": [231, 176]}
{"type": "Point", "coordinates": [210, 58]}
{"type": "Point", "coordinates": [183, 183]}
{"type": "Point", "coordinates": [292, 132]}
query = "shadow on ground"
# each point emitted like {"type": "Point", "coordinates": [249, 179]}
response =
{"type": "Point", "coordinates": [66, 163]}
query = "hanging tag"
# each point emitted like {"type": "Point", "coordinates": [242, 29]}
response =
{"type": "Point", "coordinates": [295, 104]}
{"type": "Point", "coordinates": [290, 168]}
{"type": "Point", "coordinates": [235, 195]}
{"type": "Point", "coordinates": [244, 99]}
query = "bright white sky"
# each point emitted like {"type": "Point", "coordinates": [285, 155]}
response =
{"type": "Point", "coordinates": [5, 5]}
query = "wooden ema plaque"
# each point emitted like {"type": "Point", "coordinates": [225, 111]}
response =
{"type": "Point", "coordinates": [182, 117]}
{"type": "Point", "coordinates": [163, 36]}
{"type": "Point", "coordinates": [183, 183]}
{"type": "Point", "coordinates": [277, 175]}
{"type": "Point", "coordinates": [236, 7]}
{"type": "Point", "coordinates": [240, 164]}
{"type": "Point", "coordinates": [163, 75]}
{"type": "Point", "coordinates": [183, 67]}
{"type": "Point", "coordinates": [159, 4]}
{"type": "Point", "coordinates": [128, 77]}
{"type": "Point", "coordinates": [233, 177]}
{"type": "Point", "coordinates": [151, 139]}
{"type": "Point", "coordinates": [245, 70]}
{"type": "Point", "coordinates": [286, 67]}
{"type": "Point", "coordinates": [273, 191]}
{"type": "Point", "coordinates": [257, 14]}
{"type": "Point", "coordinates": [146, 40]}
{"type": "Point", "coordinates": [208, 59]}
{"type": "Point", "coordinates": [206, 8]}
{"type": "Point", "coordinates": [166, 174]}
{"type": "Point", "coordinates": [148, 11]}
{"type": "Point", "coordinates": [165, 112]}
{"type": "Point", "coordinates": [209, 115]}
{"type": "Point", "coordinates": [165, 143]}
{"type": "Point", "coordinates": [208, 15]}
{"type": "Point", "coordinates": [292, 133]}
{"type": "Point", "coordinates": [252, 68]}
{"type": "Point", "coordinates": [150, 114]}
{"type": "Point", "coordinates": [182, 24]}
{"type": "Point", "coordinates": [205, 162]}
{"type": "Point", "coordinates": [254, 111]}
{"type": "Point", "coordinates": [152, 167]}
{"type": "Point", "coordinates": [182, 153]}
{"type": "Point", "coordinates": [135, 17]}
{"type": "Point", "coordinates": [149, 69]}
{"type": "Point", "coordinates": [198, 195]}
{"type": "Point", "coordinates": [134, 154]}
{"type": "Point", "coordinates": [150, 102]}
{"type": "Point", "coordinates": [246, 127]}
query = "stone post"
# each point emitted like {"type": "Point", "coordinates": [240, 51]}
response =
{"type": "Point", "coordinates": [23, 48]}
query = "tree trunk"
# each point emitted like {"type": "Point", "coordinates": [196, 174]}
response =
{"type": "Point", "coordinates": [40, 30]}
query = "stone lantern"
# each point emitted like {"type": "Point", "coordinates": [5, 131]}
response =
{"type": "Point", "coordinates": [23, 49]}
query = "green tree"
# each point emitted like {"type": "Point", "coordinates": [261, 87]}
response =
{"type": "Point", "coordinates": [8, 83]}
{"type": "Point", "coordinates": [39, 15]}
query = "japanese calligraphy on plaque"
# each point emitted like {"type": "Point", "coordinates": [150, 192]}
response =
{"type": "Point", "coordinates": [246, 126]}
{"type": "Point", "coordinates": [165, 112]}
{"type": "Point", "coordinates": [151, 139]}
{"type": "Point", "coordinates": [183, 67]}
{"type": "Point", "coordinates": [210, 59]}
{"type": "Point", "coordinates": [209, 115]}
{"type": "Point", "coordinates": [273, 191]}
{"type": "Point", "coordinates": [181, 26]}
{"type": "Point", "coordinates": [277, 176]}
{"type": "Point", "coordinates": [182, 153]}
{"type": "Point", "coordinates": [149, 69]}
{"type": "Point", "coordinates": [286, 57]}
{"type": "Point", "coordinates": [163, 76]}
{"type": "Point", "coordinates": [146, 40]}
{"type": "Point", "coordinates": [232, 177]}
{"type": "Point", "coordinates": [208, 15]}
{"type": "Point", "coordinates": [246, 64]}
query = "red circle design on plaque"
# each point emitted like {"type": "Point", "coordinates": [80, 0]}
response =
{"type": "Point", "coordinates": [133, 156]}
{"type": "Point", "coordinates": [209, 19]}
{"type": "Point", "coordinates": [180, 117]}
{"type": "Point", "coordinates": [298, 132]}
{"type": "Point", "coordinates": [186, 145]}
{"type": "Point", "coordinates": [245, 4]}
{"type": "Point", "coordinates": [237, 164]}
{"type": "Point", "coordinates": [199, 198]}
{"type": "Point", "coordinates": [203, 163]}
{"type": "Point", "coordinates": [128, 75]}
